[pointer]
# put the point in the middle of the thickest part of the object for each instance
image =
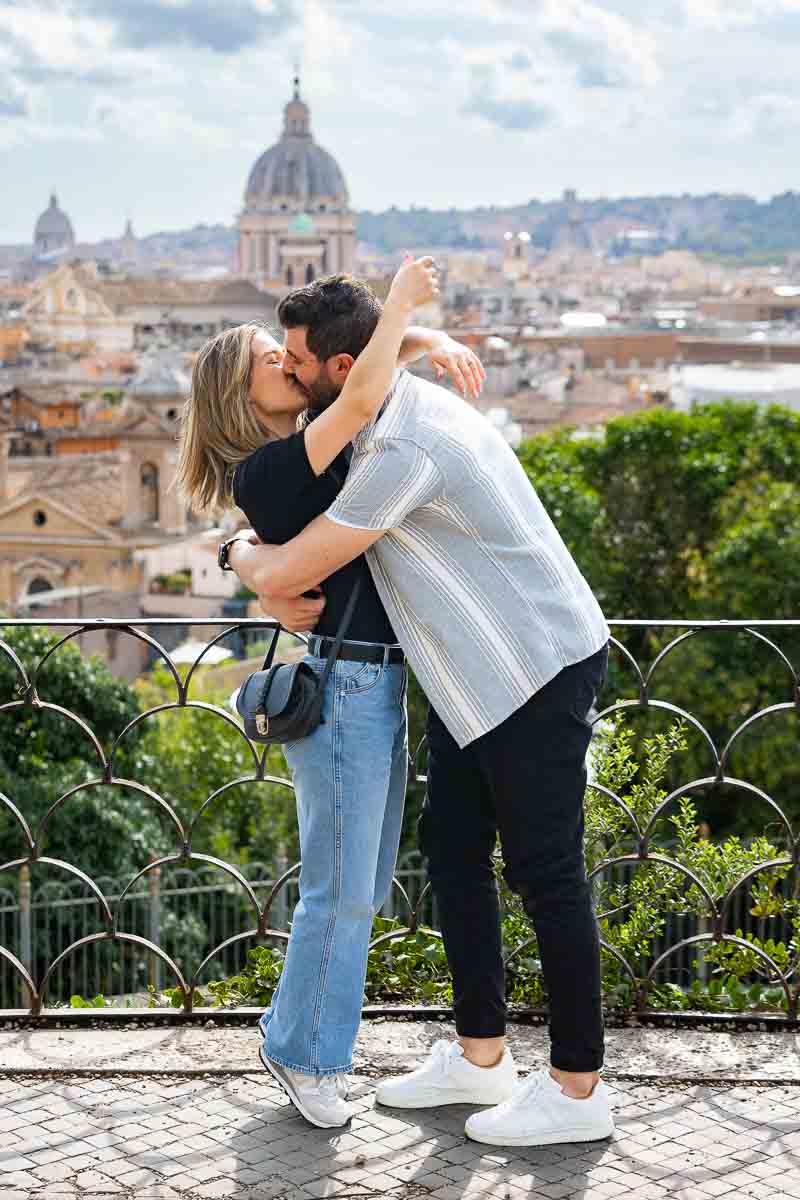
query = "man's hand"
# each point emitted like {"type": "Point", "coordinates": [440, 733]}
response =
{"type": "Point", "coordinates": [250, 561]}
{"type": "Point", "coordinates": [461, 364]}
{"type": "Point", "coordinates": [298, 616]}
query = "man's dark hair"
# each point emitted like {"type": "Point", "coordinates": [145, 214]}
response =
{"type": "Point", "coordinates": [339, 313]}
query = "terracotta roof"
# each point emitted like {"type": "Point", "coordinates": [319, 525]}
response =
{"type": "Point", "coordinates": [101, 366]}
{"type": "Point", "coordinates": [54, 396]}
{"type": "Point", "coordinates": [91, 485]}
{"type": "Point", "coordinates": [125, 293]}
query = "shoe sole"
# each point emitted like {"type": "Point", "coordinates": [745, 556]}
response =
{"type": "Point", "coordinates": [437, 1100]}
{"type": "Point", "coordinates": [290, 1092]}
{"type": "Point", "coordinates": [566, 1138]}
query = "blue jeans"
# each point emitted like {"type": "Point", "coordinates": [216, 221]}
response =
{"type": "Point", "coordinates": [350, 782]}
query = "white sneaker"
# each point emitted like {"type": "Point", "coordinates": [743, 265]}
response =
{"type": "Point", "coordinates": [446, 1077]}
{"type": "Point", "coordinates": [317, 1097]}
{"type": "Point", "coordinates": [539, 1114]}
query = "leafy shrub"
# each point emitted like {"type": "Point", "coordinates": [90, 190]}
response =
{"type": "Point", "coordinates": [633, 914]}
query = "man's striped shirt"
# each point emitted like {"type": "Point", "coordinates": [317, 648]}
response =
{"type": "Point", "coordinates": [484, 596]}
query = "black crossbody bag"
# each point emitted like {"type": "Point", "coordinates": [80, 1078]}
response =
{"type": "Point", "coordinates": [283, 701]}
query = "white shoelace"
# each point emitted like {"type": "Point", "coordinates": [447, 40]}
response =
{"type": "Point", "coordinates": [328, 1088]}
{"type": "Point", "coordinates": [527, 1088]}
{"type": "Point", "coordinates": [439, 1056]}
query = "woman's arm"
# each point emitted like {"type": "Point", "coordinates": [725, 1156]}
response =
{"type": "Point", "coordinates": [448, 357]}
{"type": "Point", "coordinates": [371, 374]}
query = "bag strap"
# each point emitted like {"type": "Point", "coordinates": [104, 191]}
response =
{"type": "Point", "coordinates": [273, 647]}
{"type": "Point", "coordinates": [333, 653]}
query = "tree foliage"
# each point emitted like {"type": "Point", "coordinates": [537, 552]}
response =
{"type": "Point", "coordinates": [44, 754]}
{"type": "Point", "coordinates": [694, 516]}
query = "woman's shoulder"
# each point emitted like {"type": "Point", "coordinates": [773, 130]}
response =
{"type": "Point", "coordinates": [280, 462]}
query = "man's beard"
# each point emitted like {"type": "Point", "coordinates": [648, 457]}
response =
{"type": "Point", "coordinates": [323, 391]}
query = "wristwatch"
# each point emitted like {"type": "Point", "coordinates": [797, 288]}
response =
{"type": "Point", "coordinates": [225, 549]}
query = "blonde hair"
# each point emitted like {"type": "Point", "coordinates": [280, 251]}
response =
{"type": "Point", "coordinates": [218, 427]}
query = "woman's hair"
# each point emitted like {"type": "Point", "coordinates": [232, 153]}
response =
{"type": "Point", "coordinates": [218, 427]}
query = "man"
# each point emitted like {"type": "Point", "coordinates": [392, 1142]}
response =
{"type": "Point", "coordinates": [510, 646]}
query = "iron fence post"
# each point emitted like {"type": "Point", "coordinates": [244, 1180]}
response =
{"type": "Point", "coordinates": [153, 961]}
{"type": "Point", "coordinates": [25, 946]}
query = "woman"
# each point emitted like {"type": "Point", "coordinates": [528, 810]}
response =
{"type": "Point", "coordinates": [240, 444]}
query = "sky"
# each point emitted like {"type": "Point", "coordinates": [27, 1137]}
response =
{"type": "Point", "coordinates": [156, 109]}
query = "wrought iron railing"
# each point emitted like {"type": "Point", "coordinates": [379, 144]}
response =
{"type": "Point", "coordinates": [638, 690]}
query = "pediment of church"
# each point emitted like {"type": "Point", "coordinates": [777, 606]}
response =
{"type": "Point", "coordinates": [40, 516]}
{"type": "Point", "coordinates": [148, 425]}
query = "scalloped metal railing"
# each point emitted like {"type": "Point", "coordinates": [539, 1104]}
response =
{"type": "Point", "coordinates": [640, 680]}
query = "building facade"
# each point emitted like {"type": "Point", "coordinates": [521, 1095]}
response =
{"type": "Point", "coordinates": [296, 222]}
{"type": "Point", "coordinates": [77, 308]}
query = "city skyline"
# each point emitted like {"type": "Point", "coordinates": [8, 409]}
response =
{"type": "Point", "coordinates": [155, 109]}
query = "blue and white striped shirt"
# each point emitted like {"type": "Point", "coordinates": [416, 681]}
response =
{"type": "Point", "coordinates": [484, 596]}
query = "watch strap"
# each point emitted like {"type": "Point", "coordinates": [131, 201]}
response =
{"type": "Point", "coordinates": [224, 551]}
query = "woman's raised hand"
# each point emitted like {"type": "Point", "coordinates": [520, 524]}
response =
{"type": "Point", "coordinates": [461, 364]}
{"type": "Point", "coordinates": [415, 283]}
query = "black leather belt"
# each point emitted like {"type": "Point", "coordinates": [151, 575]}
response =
{"type": "Point", "coordinates": [370, 652]}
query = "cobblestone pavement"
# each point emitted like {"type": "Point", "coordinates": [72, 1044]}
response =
{"type": "Point", "coordinates": [174, 1137]}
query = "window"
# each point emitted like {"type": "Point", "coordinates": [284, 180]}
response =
{"type": "Point", "coordinates": [289, 277]}
{"type": "Point", "coordinates": [148, 477]}
{"type": "Point", "coordinates": [309, 273]}
{"type": "Point", "coordinates": [172, 414]}
{"type": "Point", "coordinates": [39, 518]}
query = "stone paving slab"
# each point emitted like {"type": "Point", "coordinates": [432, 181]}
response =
{"type": "Point", "coordinates": [178, 1137]}
{"type": "Point", "coordinates": [390, 1045]}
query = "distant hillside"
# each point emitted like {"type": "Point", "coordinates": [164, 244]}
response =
{"type": "Point", "coordinates": [713, 224]}
{"type": "Point", "coordinates": [716, 224]}
{"type": "Point", "coordinates": [735, 225]}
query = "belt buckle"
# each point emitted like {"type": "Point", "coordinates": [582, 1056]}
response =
{"type": "Point", "coordinates": [262, 724]}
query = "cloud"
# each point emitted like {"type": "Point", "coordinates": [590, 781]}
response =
{"type": "Point", "coordinates": [503, 100]}
{"type": "Point", "coordinates": [596, 66]}
{"type": "Point", "coordinates": [514, 115]}
{"type": "Point", "coordinates": [148, 120]}
{"type": "Point", "coordinates": [13, 106]}
{"type": "Point", "coordinates": [607, 50]}
{"type": "Point", "coordinates": [29, 64]}
{"type": "Point", "coordinates": [204, 24]}
{"type": "Point", "coordinates": [520, 61]}
{"type": "Point", "coordinates": [14, 100]}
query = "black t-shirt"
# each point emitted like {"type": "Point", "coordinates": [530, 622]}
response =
{"type": "Point", "coordinates": [279, 493]}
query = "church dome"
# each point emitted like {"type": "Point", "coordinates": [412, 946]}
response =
{"type": "Point", "coordinates": [54, 226]}
{"type": "Point", "coordinates": [296, 171]}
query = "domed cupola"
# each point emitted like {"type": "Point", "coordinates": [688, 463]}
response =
{"type": "Point", "coordinates": [296, 223]}
{"type": "Point", "coordinates": [295, 174]}
{"type": "Point", "coordinates": [53, 232]}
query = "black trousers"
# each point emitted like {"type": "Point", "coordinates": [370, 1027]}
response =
{"type": "Point", "coordinates": [524, 780]}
